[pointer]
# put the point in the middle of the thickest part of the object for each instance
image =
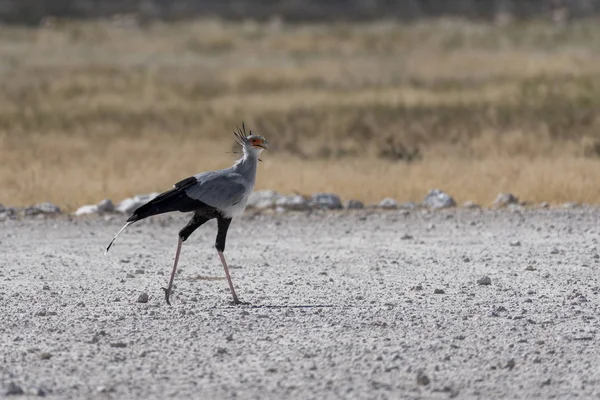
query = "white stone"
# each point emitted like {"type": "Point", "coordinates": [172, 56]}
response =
{"type": "Point", "coordinates": [504, 199]}
{"type": "Point", "coordinates": [471, 204]}
{"type": "Point", "coordinates": [437, 199]}
{"type": "Point", "coordinates": [87, 209]}
{"type": "Point", "coordinates": [571, 204]}
{"type": "Point", "coordinates": [42, 208]}
{"type": "Point", "coordinates": [292, 203]}
{"type": "Point", "coordinates": [407, 206]}
{"type": "Point", "coordinates": [131, 204]}
{"type": "Point", "coordinates": [388, 203]}
{"type": "Point", "coordinates": [127, 206]}
{"type": "Point", "coordinates": [329, 201]}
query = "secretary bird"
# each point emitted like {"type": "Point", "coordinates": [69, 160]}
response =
{"type": "Point", "coordinates": [219, 194]}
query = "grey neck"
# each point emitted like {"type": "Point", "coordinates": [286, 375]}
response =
{"type": "Point", "coordinates": [246, 166]}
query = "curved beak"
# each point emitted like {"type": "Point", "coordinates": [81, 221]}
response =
{"type": "Point", "coordinates": [263, 145]}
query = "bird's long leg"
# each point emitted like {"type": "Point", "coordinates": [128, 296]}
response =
{"type": "Point", "coordinates": [235, 298]}
{"type": "Point", "coordinates": [197, 220]}
{"type": "Point", "coordinates": [223, 226]}
{"type": "Point", "coordinates": [168, 289]}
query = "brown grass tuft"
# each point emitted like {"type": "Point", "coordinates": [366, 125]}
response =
{"type": "Point", "coordinates": [93, 110]}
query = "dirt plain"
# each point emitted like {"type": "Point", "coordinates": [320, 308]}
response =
{"type": "Point", "coordinates": [365, 304]}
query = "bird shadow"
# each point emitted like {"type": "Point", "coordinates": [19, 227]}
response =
{"type": "Point", "coordinates": [293, 306]}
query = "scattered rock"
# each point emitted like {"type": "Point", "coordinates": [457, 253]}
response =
{"type": "Point", "coordinates": [262, 199]}
{"type": "Point", "coordinates": [554, 251]}
{"type": "Point", "coordinates": [127, 206]}
{"type": "Point", "coordinates": [143, 298]}
{"type": "Point", "coordinates": [470, 204]}
{"type": "Point", "coordinates": [42, 208]}
{"type": "Point", "coordinates": [515, 207]}
{"type": "Point", "coordinates": [571, 204]}
{"type": "Point", "coordinates": [530, 268]}
{"type": "Point", "coordinates": [422, 379]}
{"type": "Point", "coordinates": [407, 206]}
{"type": "Point", "coordinates": [438, 291]}
{"type": "Point", "coordinates": [292, 203]}
{"type": "Point", "coordinates": [504, 199]}
{"type": "Point", "coordinates": [106, 206]}
{"type": "Point", "coordinates": [437, 199]}
{"type": "Point", "coordinates": [510, 364]}
{"type": "Point", "coordinates": [7, 213]}
{"type": "Point", "coordinates": [547, 382]}
{"type": "Point", "coordinates": [221, 350]}
{"type": "Point", "coordinates": [328, 201]}
{"type": "Point", "coordinates": [45, 356]}
{"type": "Point", "coordinates": [406, 236]}
{"type": "Point", "coordinates": [355, 205]}
{"type": "Point", "coordinates": [118, 345]}
{"type": "Point", "coordinates": [544, 204]}
{"type": "Point", "coordinates": [417, 287]}
{"type": "Point", "coordinates": [515, 243]}
{"type": "Point", "coordinates": [484, 280]}
{"type": "Point", "coordinates": [86, 210]}
{"type": "Point", "coordinates": [229, 337]}
{"type": "Point", "coordinates": [12, 389]}
{"type": "Point", "coordinates": [388, 204]}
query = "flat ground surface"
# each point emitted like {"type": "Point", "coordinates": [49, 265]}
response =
{"type": "Point", "coordinates": [342, 306]}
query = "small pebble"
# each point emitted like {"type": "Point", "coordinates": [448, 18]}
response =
{"type": "Point", "coordinates": [143, 298]}
{"type": "Point", "coordinates": [484, 280]}
{"type": "Point", "coordinates": [422, 379]}
{"type": "Point", "coordinates": [12, 389]}
{"type": "Point", "coordinates": [45, 356]}
{"type": "Point", "coordinates": [438, 291]}
{"type": "Point", "coordinates": [118, 345]}
{"type": "Point", "coordinates": [511, 363]}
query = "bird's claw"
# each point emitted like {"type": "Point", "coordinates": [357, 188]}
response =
{"type": "Point", "coordinates": [167, 295]}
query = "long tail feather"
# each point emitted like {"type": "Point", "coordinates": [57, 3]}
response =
{"type": "Point", "coordinates": [118, 233]}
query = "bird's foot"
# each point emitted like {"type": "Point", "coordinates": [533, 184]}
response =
{"type": "Point", "coordinates": [167, 295]}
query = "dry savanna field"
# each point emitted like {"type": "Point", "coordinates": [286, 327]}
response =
{"type": "Point", "coordinates": [90, 110]}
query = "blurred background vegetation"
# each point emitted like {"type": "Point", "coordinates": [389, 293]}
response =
{"type": "Point", "coordinates": [368, 99]}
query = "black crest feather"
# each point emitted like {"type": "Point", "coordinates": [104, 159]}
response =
{"type": "Point", "coordinates": [241, 135]}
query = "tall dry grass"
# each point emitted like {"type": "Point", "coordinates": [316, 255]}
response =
{"type": "Point", "coordinates": [110, 109]}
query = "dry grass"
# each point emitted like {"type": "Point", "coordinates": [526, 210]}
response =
{"type": "Point", "coordinates": [94, 110]}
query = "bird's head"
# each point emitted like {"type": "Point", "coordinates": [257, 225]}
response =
{"type": "Point", "coordinates": [251, 144]}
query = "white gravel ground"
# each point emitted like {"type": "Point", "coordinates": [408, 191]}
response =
{"type": "Point", "coordinates": [343, 305]}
